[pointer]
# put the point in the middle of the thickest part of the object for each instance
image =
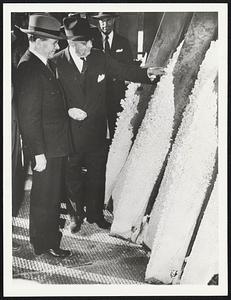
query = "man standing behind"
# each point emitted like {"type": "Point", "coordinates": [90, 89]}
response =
{"type": "Point", "coordinates": [43, 123]}
{"type": "Point", "coordinates": [119, 48]}
{"type": "Point", "coordinates": [82, 70]}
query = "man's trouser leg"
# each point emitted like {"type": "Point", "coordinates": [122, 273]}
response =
{"type": "Point", "coordinates": [95, 183]}
{"type": "Point", "coordinates": [46, 193]}
{"type": "Point", "coordinates": [75, 186]}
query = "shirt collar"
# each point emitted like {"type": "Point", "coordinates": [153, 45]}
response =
{"type": "Point", "coordinates": [77, 60]}
{"type": "Point", "coordinates": [42, 58]}
{"type": "Point", "coordinates": [110, 37]}
{"type": "Point", "coordinates": [73, 54]}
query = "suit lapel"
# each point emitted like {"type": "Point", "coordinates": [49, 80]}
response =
{"type": "Point", "coordinates": [50, 75]}
{"type": "Point", "coordinates": [73, 68]}
{"type": "Point", "coordinates": [42, 67]}
{"type": "Point", "coordinates": [71, 61]}
{"type": "Point", "coordinates": [114, 43]}
{"type": "Point", "coordinates": [57, 82]}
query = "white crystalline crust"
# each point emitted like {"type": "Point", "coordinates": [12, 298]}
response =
{"type": "Point", "coordinates": [186, 177]}
{"type": "Point", "coordinates": [137, 178]}
{"type": "Point", "coordinates": [202, 263]}
{"type": "Point", "coordinates": [122, 140]}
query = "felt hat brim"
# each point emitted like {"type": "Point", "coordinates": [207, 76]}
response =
{"type": "Point", "coordinates": [104, 16]}
{"type": "Point", "coordinates": [79, 38]}
{"type": "Point", "coordinates": [43, 34]}
{"type": "Point", "coordinates": [85, 37]}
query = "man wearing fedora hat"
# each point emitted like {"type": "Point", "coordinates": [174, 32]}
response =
{"type": "Point", "coordinates": [81, 71]}
{"type": "Point", "coordinates": [95, 32]}
{"type": "Point", "coordinates": [43, 121]}
{"type": "Point", "coordinates": [119, 48]}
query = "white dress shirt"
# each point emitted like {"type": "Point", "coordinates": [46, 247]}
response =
{"type": "Point", "coordinates": [110, 38]}
{"type": "Point", "coordinates": [77, 60]}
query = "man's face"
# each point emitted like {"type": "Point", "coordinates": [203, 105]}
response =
{"type": "Point", "coordinates": [81, 48]}
{"type": "Point", "coordinates": [48, 47]}
{"type": "Point", "coordinates": [106, 25]}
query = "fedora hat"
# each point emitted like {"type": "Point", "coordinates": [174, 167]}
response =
{"type": "Point", "coordinates": [77, 28]}
{"type": "Point", "coordinates": [44, 25]}
{"type": "Point", "coordinates": [104, 15]}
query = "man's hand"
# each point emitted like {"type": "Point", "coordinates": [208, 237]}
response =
{"type": "Point", "coordinates": [152, 72]}
{"type": "Point", "coordinates": [41, 163]}
{"type": "Point", "coordinates": [77, 114]}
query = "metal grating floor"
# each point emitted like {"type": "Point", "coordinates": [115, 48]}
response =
{"type": "Point", "coordinates": [97, 257]}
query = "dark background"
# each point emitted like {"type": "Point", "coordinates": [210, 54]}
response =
{"type": "Point", "coordinates": [127, 24]}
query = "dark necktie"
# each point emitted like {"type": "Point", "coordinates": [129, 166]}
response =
{"type": "Point", "coordinates": [48, 65]}
{"type": "Point", "coordinates": [84, 67]}
{"type": "Point", "coordinates": [106, 45]}
{"type": "Point", "coordinates": [83, 73]}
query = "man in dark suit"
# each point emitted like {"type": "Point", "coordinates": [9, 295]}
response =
{"type": "Point", "coordinates": [119, 48]}
{"type": "Point", "coordinates": [43, 121]}
{"type": "Point", "coordinates": [81, 71]}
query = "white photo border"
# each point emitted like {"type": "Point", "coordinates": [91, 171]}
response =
{"type": "Point", "coordinates": [11, 288]}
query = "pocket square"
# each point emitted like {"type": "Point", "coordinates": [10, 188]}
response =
{"type": "Point", "coordinates": [101, 77]}
{"type": "Point", "coordinates": [119, 50]}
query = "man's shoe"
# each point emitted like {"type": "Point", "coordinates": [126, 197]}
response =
{"type": "Point", "coordinates": [59, 253]}
{"type": "Point", "coordinates": [38, 251]}
{"type": "Point", "coordinates": [16, 246]}
{"type": "Point", "coordinates": [90, 221]}
{"type": "Point", "coordinates": [75, 224]}
{"type": "Point", "coordinates": [75, 227]}
{"type": "Point", "coordinates": [102, 223]}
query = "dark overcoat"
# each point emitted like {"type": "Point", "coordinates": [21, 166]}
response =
{"type": "Point", "coordinates": [44, 126]}
{"type": "Point", "coordinates": [42, 109]}
{"type": "Point", "coordinates": [88, 94]}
